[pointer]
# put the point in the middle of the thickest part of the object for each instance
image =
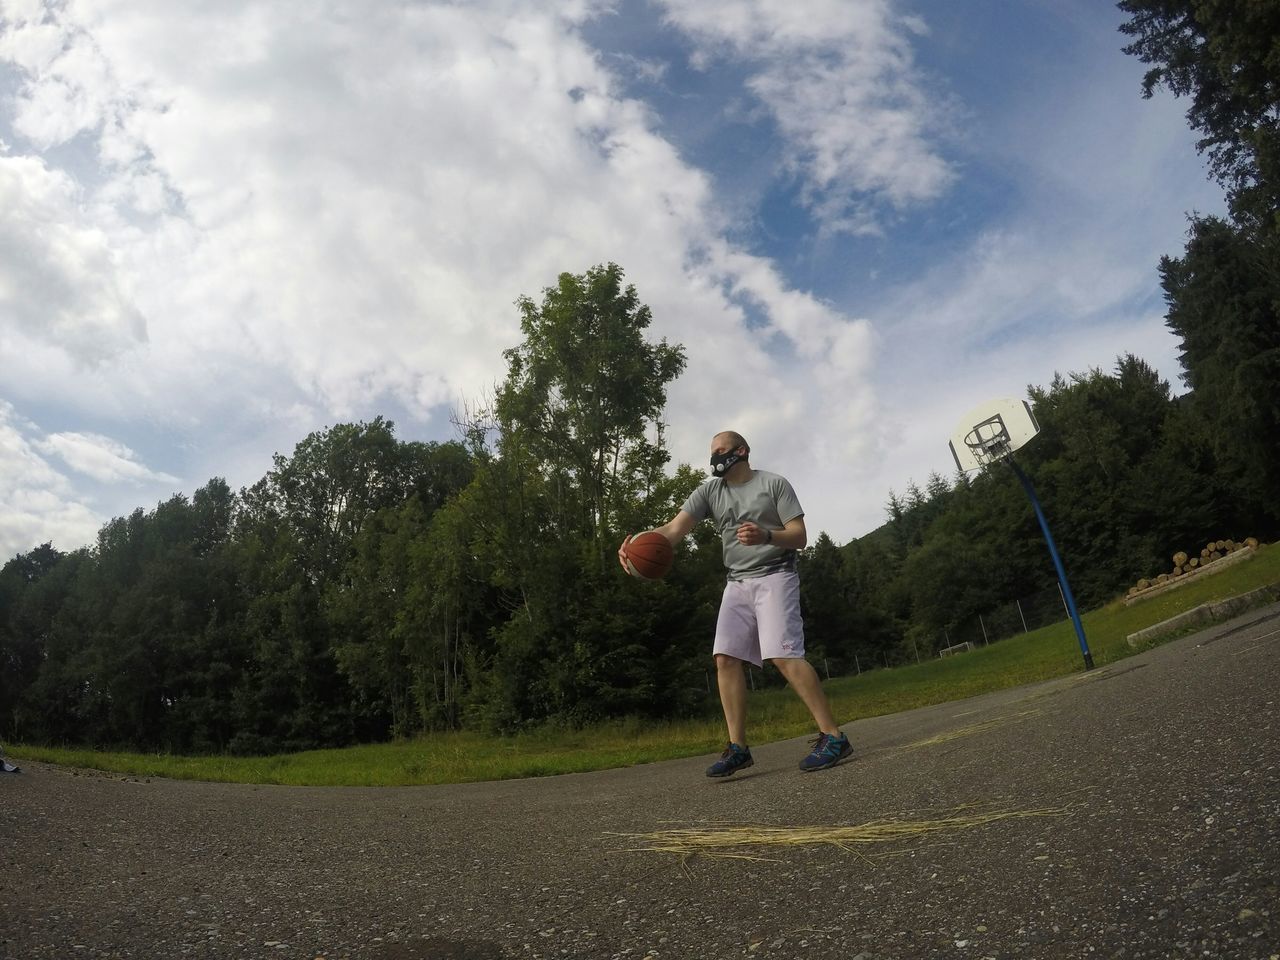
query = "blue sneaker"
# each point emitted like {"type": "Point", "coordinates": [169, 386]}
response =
{"type": "Point", "coordinates": [827, 752]}
{"type": "Point", "coordinates": [733, 759]}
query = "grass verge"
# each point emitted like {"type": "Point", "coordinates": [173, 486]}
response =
{"type": "Point", "coordinates": [1043, 654]}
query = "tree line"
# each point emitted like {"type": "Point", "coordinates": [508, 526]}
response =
{"type": "Point", "coordinates": [368, 587]}
{"type": "Point", "coordinates": [1128, 473]}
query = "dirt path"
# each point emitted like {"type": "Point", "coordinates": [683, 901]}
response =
{"type": "Point", "coordinates": [1160, 775]}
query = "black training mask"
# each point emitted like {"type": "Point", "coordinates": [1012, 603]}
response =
{"type": "Point", "coordinates": [722, 462]}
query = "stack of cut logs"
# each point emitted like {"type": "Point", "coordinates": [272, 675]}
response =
{"type": "Point", "coordinates": [1184, 564]}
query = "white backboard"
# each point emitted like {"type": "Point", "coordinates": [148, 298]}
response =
{"type": "Point", "coordinates": [991, 431]}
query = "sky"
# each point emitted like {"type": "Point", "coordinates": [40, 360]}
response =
{"type": "Point", "coordinates": [225, 226]}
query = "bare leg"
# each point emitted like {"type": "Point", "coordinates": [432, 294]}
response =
{"type": "Point", "coordinates": [804, 681]}
{"type": "Point", "coordinates": [733, 696]}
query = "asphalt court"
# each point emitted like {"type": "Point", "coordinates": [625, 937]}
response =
{"type": "Point", "coordinates": [1136, 814]}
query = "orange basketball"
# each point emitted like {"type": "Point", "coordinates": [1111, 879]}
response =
{"type": "Point", "coordinates": [649, 556]}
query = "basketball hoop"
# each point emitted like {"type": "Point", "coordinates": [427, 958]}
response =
{"type": "Point", "coordinates": [989, 440]}
{"type": "Point", "coordinates": [992, 432]}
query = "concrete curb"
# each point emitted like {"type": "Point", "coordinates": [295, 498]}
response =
{"type": "Point", "coordinates": [1206, 614]}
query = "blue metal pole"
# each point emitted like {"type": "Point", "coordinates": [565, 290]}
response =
{"type": "Point", "coordinates": [1057, 562]}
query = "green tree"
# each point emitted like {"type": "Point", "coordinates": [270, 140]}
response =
{"type": "Point", "coordinates": [361, 613]}
{"type": "Point", "coordinates": [583, 390]}
{"type": "Point", "coordinates": [334, 482]}
{"type": "Point", "coordinates": [1224, 305]}
{"type": "Point", "coordinates": [952, 578]}
{"type": "Point", "coordinates": [1225, 55]}
{"type": "Point", "coordinates": [290, 694]}
{"type": "Point", "coordinates": [131, 636]}
{"type": "Point", "coordinates": [369, 608]}
{"type": "Point", "coordinates": [27, 610]}
{"type": "Point", "coordinates": [450, 610]}
{"type": "Point", "coordinates": [579, 455]}
{"type": "Point", "coordinates": [826, 603]}
{"type": "Point", "coordinates": [1100, 433]}
{"type": "Point", "coordinates": [1224, 293]}
{"type": "Point", "coordinates": [322, 542]}
{"type": "Point", "coordinates": [878, 596]}
{"type": "Point", "coordinates": [1123, 482]}
{"type": "Point", "coordinates": [54, 615]}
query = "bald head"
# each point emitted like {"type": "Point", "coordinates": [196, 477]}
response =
{"type": "Point", "coordinates": [728, 440]}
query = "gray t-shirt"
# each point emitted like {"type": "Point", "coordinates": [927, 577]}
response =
{"type": "Point", "coordinates": [767, 500]}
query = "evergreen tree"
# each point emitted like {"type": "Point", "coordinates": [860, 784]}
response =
{"type": "Point", "coordinates": [1224, 55]}
{"type": "Point", "coordinates": [1224, 305]}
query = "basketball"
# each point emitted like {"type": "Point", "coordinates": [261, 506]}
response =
{"type": "Point", "coordinates": [649, 556]}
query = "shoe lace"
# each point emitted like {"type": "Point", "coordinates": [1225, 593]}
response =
{"type": "Point", "coordinates": [819, 742]}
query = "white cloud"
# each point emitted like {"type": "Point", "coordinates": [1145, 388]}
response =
{"type": "Point", "coordinates": [361, 205]}
{"type": "Point", "coordinates": [59, 279]}
{"type": "Point", "coordinates": [840, 81]}
{"type": "Point", "coordinates": [101, 458]}
{"type": "Point", "coordinates": [37, 503]}
{"type": "Point", "coordinates": [323, 215]}
{"type": "Point", "coordinates": [234, 224]}
{"type": "Point", "coordinates": [1065, 283]}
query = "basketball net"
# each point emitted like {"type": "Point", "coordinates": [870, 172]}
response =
{"type": "Point", "coordinates": [988, 441]}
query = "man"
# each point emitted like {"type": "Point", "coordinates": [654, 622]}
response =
{"type": "Point", "coordinates": [762, 527]}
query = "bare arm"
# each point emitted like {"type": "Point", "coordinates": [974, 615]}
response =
{"type": "Point", "coordinates": [679, 528]}
{"type": "Point", "coordinates": [675, 531]}
{"type": "Point", "coordinates": [792, 536]}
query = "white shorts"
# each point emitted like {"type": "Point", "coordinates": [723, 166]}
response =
{"type": "Point", "coordinates": [760, 619]}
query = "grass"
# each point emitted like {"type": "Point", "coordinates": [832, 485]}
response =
{"type": "Point", "coordinates": [776, 714]}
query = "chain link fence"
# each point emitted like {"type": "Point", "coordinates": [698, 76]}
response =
{"type": "Point", "coordinates": [1021, 615]}
{"type": "Point", "coordinates": [1018, 616]}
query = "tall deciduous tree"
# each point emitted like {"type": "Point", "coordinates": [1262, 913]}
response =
{"type": "Point", "coordinates": [583, 391]}
{"type": "Point", "coordinates": [333, 483]}
{"type": "Point", "coordinates": [580, 445]}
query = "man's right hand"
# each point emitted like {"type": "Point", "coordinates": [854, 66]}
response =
{"type": "Point", "coordinates": [675, 531]}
